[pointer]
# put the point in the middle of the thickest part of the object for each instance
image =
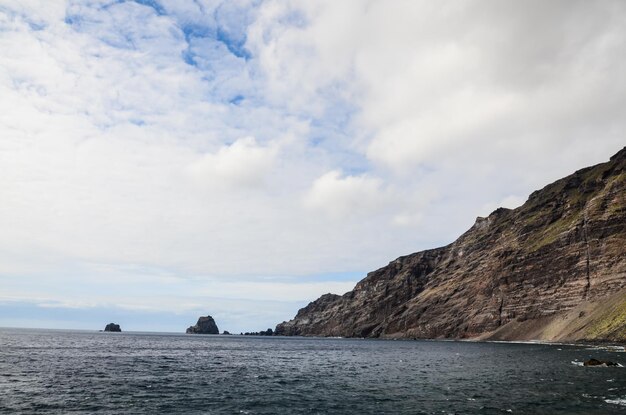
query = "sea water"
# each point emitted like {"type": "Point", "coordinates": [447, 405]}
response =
{"type": "Point", "coordinates": [53, 371]}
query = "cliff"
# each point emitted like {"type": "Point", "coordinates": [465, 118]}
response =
{"type": "Point", "coordinates": [552, 269]}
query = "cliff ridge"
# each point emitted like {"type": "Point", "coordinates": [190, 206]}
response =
{"type": "Point", "coordinates": [551, 269]}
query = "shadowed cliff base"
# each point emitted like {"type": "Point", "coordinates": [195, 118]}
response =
{"type": "Point", "coordinates": [552, 269]}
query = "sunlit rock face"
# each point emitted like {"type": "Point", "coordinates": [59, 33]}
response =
{"type": "Point", "coordinates": [554, 268]}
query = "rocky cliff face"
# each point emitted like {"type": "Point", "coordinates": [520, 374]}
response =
{"type": "Point", "coordinates": [205, 325]}
{"type": "Point", "coordinates": [554, 268]}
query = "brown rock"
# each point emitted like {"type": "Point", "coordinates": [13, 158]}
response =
{"type": "Point", "coordinates": [515, 274]}
{"type": "Point", "coordinates": [595, 362]}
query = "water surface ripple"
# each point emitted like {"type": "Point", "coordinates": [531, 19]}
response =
{"type": "Point", "coordinates": [53, 371]}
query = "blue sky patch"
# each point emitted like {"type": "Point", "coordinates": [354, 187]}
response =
{"type": "Point", "coordinates": [36, 26]}
{"type": "Point", "coordinates": [188, 56]}
{"type": "Point", "coordinates": [194, 30]}
{"type": "Point", "coordinates": [72, 19]}
{"type": "Point", "coordinates": [237, 100]}
{"type": "Point", "coordinates": [154, 5]}
{"type": "Point", "coordinates": [235, 46]}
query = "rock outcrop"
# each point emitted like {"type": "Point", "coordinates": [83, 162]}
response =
{"type": "Point", "coordinates": [205, 325]}
{"type": "Point", "coordinates": [113, 327]}
{"type": "Point", "coordinates": [601, 363]}
{"type": "Point", "coordinates": [553, 269]}
{"type": "Point", "coordinates": [268, 332]}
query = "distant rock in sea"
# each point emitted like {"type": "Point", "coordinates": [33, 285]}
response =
{"type": "Point", "coordinates": [113, 327]}
{"type": "Point", "coordinates": [596, 362]}
{"type": "Point", "coordinates": [268, 332]}
{"type": "Point", "coordinates": [205, 325]}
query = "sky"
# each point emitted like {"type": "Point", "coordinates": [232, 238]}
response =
{"type": "Point", "coordinates": [166, 159]}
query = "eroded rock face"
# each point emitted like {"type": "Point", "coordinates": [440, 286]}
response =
{"type": "Point", "coordinates": [205, 325]}
{"type": "Point", "coordinates": [564, 247]}
{"type": "Point", "coordinates": [113, 327]}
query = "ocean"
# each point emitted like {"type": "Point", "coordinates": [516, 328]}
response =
{"type": "Point", "coordinates": [55, 371]}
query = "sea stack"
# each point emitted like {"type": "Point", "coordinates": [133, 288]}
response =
{"type": "Point", "coordinates": [205, 325]}
{"type": "Point", "coordinates": [113, 327]}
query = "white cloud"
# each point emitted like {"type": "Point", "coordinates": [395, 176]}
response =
{"type": "Point", "coordinates": [509, 202]}
{"type": "Point", "coordinates": [432, 80]}
{"type": "Point", "coordinates": [243, 163]}
{"type": "Point", "coordinates": [238, 140]}
{"type": "Point", "coordinates": [346, 196]}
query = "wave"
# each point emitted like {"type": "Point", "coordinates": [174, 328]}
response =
{"type": "Point", "coordinates": [618, 401]}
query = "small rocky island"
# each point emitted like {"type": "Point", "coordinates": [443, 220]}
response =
{"type": "Point", "coordinates": [205, 325]}
{"type": "Point", "coordinates": [113, 327]}
{"type": "Point", "coordinates": [601, 363]}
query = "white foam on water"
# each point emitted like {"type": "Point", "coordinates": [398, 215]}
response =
{"type": "Point", "coordinates": [577, 363]}
{"type": "Point", "coordinates": [618, 401]}
{"type": "Point", "coordinates": [608, 348]}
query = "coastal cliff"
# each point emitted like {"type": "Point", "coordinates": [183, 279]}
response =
{"type": "Point", "coordinates": [551, 269]}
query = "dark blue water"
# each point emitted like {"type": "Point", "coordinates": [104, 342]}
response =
{"type": "Point", "coordinates": [89, 372]}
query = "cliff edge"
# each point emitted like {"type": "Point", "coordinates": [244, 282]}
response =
{"type": "Point", "coordinates": [551, 269]}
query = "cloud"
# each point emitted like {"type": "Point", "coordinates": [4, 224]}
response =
{"type": "Point", "coordinates": [212, 145]}
{"type": "Point", "coordinates": [243, 163]}
{"type": "Point", "coordinates": [340, 196]}
{"type": "Point", "coordinates": [432, 81]}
